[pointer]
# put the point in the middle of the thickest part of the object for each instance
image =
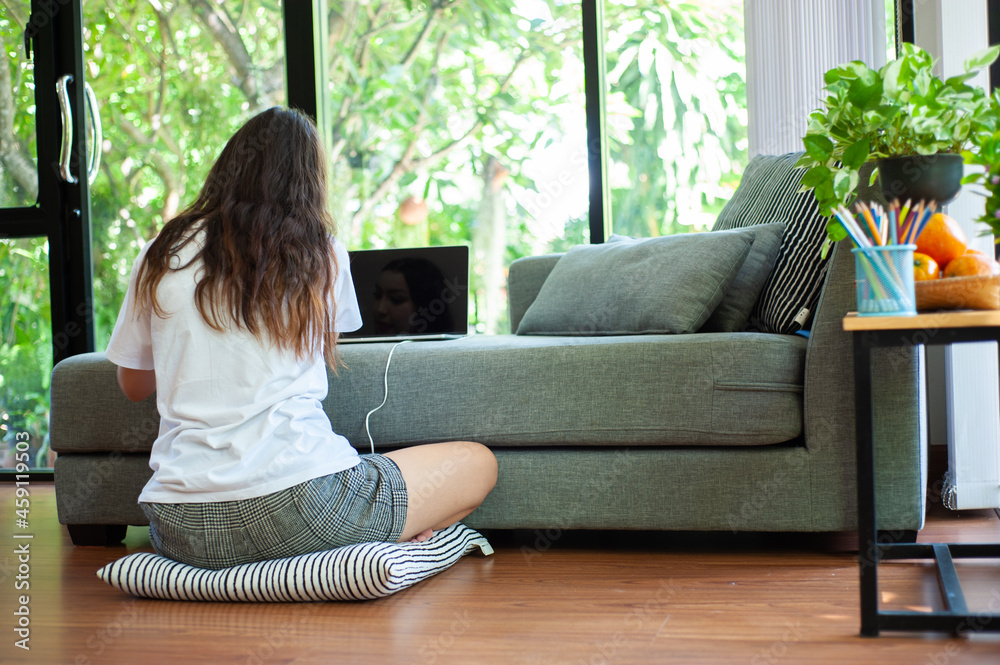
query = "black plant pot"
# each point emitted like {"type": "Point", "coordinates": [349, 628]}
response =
{"type": "Point", "coordinates": [921, 177]}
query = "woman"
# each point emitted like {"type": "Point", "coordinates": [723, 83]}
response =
{"type": "Point", "coordinates": [231, 317]}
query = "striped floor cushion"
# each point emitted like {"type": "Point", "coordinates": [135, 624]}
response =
{"type": "Point", "coordinates": [355, 572]}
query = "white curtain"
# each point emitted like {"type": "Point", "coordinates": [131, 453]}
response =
{"type": "Point", "coordinates": [790, 44]}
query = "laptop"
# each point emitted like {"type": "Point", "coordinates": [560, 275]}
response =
{"type": "Point", "coordinates": [419, 293]}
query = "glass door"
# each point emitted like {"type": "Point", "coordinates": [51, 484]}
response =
{"type": "Point", "coordinates": [41, 215]}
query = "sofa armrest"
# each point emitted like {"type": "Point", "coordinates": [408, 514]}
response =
{"type": "Point", "coordinates": [828, 409]}
{"type": "Point", "coordinates": [524, 280]}
{"type": "Point", "coordinates": [90, 414]}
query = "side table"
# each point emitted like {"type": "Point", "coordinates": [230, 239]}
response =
{"type": "Point", "coordinates": [889, 331]}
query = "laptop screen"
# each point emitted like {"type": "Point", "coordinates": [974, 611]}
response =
{"type": "Point", "coordinates": [413, 292]}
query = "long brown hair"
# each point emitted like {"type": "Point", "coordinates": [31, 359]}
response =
{"type": "Point", "coordinates": [268, 264]}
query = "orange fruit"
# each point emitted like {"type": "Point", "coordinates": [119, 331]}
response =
{"type": "Point", "coordinates": [972, 263]}
{"type": "Point", "coordinates": [942, 239]}
{"type": "Point", "coordinates": [924, 267]}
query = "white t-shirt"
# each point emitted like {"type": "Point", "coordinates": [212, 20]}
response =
{"type": "Point", "coordinates": [238, 418]}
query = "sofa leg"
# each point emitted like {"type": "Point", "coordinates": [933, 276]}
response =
{"type": "Point", "coordinates": [901, 536]}
{"type": "Point", "coordinates": [97, 534]}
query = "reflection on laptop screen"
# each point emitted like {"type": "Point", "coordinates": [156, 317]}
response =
{"type": "Point", "coordinates": [413, 293]}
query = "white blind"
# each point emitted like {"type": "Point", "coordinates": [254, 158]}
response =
{"type": "Point", "coordinates": [790, 44]}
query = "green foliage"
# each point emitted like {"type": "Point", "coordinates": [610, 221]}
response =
{"type": "Point", "coordinates": [901, 109]}
{"type": "Point", "coordinates": [423, 100]}
{"type": "Point", "coordinates": [25, 340]}
{"type": "Point", "coordinates": [986, 153]}
{"type": "Point", "coordinates": [428, 92]}
{"type": "Point", "coordinates": [677, 125]}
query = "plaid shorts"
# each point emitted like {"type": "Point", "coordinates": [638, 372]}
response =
{"type": "Point", "coordinates": [365, 503]}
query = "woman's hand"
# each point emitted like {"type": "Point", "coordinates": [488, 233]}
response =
{"type": "Point", "coordinates": [137, 384]}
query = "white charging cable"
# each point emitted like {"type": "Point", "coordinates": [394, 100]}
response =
{"type": "Point", "coordinates": [385, 384]}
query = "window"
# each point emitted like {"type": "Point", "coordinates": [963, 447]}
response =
{"type": "Point", "coordinates": [676, 112]}
{"type": "Point", "coordinates": [451, 123]}
{"type": "Point", "coordinates": [460, 123]}
{"type": "Point", "coordinates": [891, 29]}
{"type": "Point", "coordinates": [173, 83]}
{"type": "Point", "coordinates": [466, 124]}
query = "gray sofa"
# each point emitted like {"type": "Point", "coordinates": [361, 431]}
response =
{"type": "Point", "coordinates": [707, 432]}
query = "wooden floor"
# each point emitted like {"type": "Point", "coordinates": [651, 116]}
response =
{"type": "Point", "coordinates": [562, 598]}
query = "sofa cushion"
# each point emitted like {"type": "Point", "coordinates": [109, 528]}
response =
{"type": "Point", "coordinates": [713, 389]}
{"type": "Point", "coordinates": [737, 305]}
{"type": "Point", "coordinates": [651, 286]}
{"type": "Point", "coordinates": [769, 192]}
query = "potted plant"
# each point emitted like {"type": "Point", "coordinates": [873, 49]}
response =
{"type": "Point", "coordinates": [915, 126]}
{"type": "Point", "coordinates": [986, 153]}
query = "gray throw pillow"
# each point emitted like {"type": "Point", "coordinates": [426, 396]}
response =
{"type": "Point", "coordinates": [734, 311]}
{"type": "Point", "coordinates": [654, 286]}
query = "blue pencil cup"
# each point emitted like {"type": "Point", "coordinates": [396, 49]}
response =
{"type": "Point", "coordinates": [883, 277]}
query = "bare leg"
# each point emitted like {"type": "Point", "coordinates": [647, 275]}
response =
{"type": "Point", "coordinates": [444, 483]}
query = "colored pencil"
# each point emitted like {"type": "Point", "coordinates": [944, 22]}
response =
{"type": "Point", "coordinates": [914, 230]}
{"type": "Point", "coordinates": [893, 226]}
{"type": "Point", "coordinates": [904, 220]}
{"type": "Point", "coordinates": [883, 224]}
{"type": "Point", "coordinates": [851, 227]}
{"type": "Point", "coordinates": [867, 217]}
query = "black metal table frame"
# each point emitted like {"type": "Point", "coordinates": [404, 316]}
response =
{"type": "Point", "coordinates": [956, 617]}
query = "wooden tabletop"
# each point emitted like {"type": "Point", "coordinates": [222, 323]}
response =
{"type": "Point", "coordinates": [966, 318]}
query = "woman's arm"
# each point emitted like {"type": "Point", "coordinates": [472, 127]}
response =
{"type": "Point", "coordinates": [137, 384]}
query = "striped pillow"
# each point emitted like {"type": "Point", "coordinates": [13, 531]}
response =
{"type": "Point", "coordinates": [769, 192]}
{"type": "Point", "coordinates": [355, 572]}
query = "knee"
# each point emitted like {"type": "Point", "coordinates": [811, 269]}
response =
{"type": "Point", "coordinates": [482, 462]}
{"type": "Point", "coordinates": [489, 462]}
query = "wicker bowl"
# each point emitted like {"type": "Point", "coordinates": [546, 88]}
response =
{"type": "Point", "coordinates": [977, 292]}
